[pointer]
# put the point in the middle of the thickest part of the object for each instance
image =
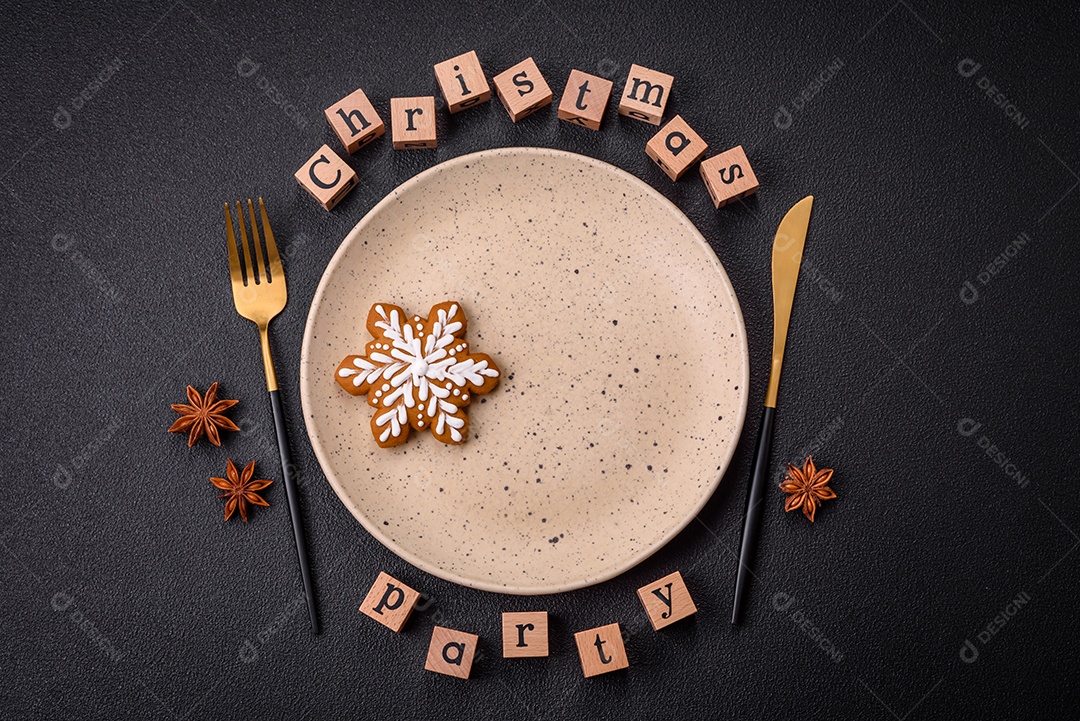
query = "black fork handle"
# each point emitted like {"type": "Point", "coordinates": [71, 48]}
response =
{"type": "Point", "coordinates": [293, 495]}
{"type": "Point", "coordinates": [754, 497]}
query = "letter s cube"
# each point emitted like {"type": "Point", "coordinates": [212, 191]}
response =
{"type": "Point", "coordinates": [728, 176]}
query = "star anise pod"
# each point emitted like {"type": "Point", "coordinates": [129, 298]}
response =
{"type": "Point", "coordinates": [807, 487]}
{"type": "Point", "coordinates": [204, 416]}
{"type": "Point", "coordinates": [240, 489]}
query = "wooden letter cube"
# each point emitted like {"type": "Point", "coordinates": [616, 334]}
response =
{"type": "Point", "coordinates": [327, 177]}
{"type": "Point", "coordinates": [584, 100]}
{"type": "Point", "coordinates": [451, 652]}
{"type": "Point", "coordinates": [667, 601]}
{"type": "Point", "coordinates": [676, 148]}
{"type": "Point", "coordinates": [525, 634]}
{"type": "Point", "coordinates": [522, 89]}
{"type": "Point", "coordinates": [355, 121]}
{"type": "Point", "coordinates": [462, 82]}
{"type": "Point", "coordinates": [645, 95]}
{"type": "Point", "coordinates": [390, 602]}
{"type": "Point", "coordinates": [412, 123]}
{"type": "Point", "coordinates": [601, 650]}
{"type": "Point", "coordinates": [728, 176]}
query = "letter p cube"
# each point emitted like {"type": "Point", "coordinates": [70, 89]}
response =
{"type": "Point", "coordinates": [390, 602]}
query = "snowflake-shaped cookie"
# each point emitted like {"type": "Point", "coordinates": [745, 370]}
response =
{"type": "Point", "coordinates": [418, 373]}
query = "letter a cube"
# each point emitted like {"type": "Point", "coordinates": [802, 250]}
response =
{"type": "Point", "coordinates": [451, 652]}
{"type": "Point", "coordinates": [676, 148]}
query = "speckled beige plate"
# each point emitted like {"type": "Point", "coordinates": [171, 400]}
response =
{"type": "Point", "coordinates": [624, 363]}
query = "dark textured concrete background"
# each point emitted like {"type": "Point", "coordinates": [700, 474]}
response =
{"type": "Point", "coordinates": [939, 144]}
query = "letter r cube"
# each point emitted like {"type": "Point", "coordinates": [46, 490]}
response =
{"type": "Point", "coordinates": [412, 123]}
{"type": "Point", "coordinates": [525, 634]}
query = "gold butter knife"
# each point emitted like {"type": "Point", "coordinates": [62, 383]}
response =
{"type": "Point", "coordinates": [786, 258]}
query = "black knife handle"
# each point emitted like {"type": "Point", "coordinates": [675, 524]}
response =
{"type": "Point", "coordinates": [293, 495]}
{"type": "Point", "coordinates": [754, 508]}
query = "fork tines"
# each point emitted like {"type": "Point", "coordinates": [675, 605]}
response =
{"type": "Point", "coordinates": [266, 268]}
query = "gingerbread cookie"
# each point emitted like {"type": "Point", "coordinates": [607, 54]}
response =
{"type": "Point", "coordinates": [418, 373]}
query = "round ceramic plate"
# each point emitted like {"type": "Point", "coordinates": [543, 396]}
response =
{"type": "Point", "coordinates": [624, 370]}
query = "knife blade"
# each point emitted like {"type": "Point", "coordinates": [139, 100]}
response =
{"type": "Point", "coordinates": [786, 259]}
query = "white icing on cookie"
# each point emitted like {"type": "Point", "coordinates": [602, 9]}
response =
{"type": "Point", "coordinates": [417, 370]}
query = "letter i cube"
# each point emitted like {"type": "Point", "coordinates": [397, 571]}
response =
{"type": "Point", "coordinates": [462, 82]}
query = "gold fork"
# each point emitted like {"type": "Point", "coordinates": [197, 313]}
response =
{"type": "Point", "coordinates": [259, 295]}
